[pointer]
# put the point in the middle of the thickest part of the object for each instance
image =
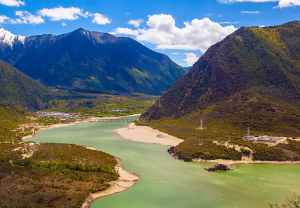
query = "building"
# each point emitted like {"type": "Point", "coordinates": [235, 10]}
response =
{"type": "Point", "coordinates": [116, 111]}
{"type": "Point", "coordinates": [249, 138]}
{"type": "Point", "coordinates": [271, 139]}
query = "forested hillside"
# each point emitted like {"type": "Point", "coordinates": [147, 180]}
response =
{"type": "Point", "coordinates": [16, 87]}
{"type": "Point", "coordinates": [250, 79]}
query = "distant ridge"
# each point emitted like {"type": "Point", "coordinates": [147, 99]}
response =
{"type": "Point", "coordinates": [89, 60]}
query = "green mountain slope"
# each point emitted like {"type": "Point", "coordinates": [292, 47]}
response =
{"type": "Point", "coordinates": [16, 87]}
{"type": "Point", "coordinates": [250, 79]}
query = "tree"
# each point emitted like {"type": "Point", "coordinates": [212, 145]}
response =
{"type": "Point", "coordinates": [290, 203]}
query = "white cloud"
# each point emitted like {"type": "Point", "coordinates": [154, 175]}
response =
{"type": "Point", "coordinates": [135, 23]}
{"type": "Point", "coordinates": [87, 14]}
{"type": "Point", "coordinates": [190, 59]}
{"type": "Point", "coordinates": [3, 18]}
{"type": "Point", "coordinates": [175, 53]}
{"type": "Point", "coordinates": [195, 35]}
{"type": "Point", "coordinates": [62, 13]}
{"type": "Point", "coordinates": [27, 18]}
{"type": "Point", "coordinates": [235, 1]}
{"type": "Point", "coordinates": [288, 3]}
{"type": "Point", "coordinates": [231, 23]}
{"type": "Point", "coordinates": [262, 26]}
{"type": "Point", "coordinates": [63, 24]}
{"type": "Point", "coordinates": [127, 13]}
{"type": "Point", "coordinates": [125, 31]}
{"type": "Point", "coordinates": [250, 12]}
{"type": "Point", "coordinates": [100, 19]}
{"type": "Point", "coordinates": [281, 4]}
{"type": "Point", "coordinates": [12, 2]}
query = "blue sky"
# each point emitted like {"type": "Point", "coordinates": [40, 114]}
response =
{"type": "Point", "coordinates": [182, 29]}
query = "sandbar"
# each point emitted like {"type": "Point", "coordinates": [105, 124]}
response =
{"type": "Point", "coordinates": [147, 134]}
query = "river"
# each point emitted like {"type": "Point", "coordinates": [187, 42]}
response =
{"type": "Point", "coordinates": [167, 182]}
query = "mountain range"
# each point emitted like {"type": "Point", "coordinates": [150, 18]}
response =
{"type": "Point", "coordinates": [90, 61]}
{"type": "Point", "coordinates": [249, 79]}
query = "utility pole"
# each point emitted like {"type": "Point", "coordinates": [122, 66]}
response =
{"type": "Point", "coordinates": [201, 125]}
{"type": "Point", "coordinates": [200, 142]}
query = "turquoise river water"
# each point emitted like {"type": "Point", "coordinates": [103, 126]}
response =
{"type": "Point", "coordinates": [166, 182]}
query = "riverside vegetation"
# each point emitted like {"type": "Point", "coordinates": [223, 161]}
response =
{"type": "Point", "coordinates": [52, 175]}
{"type": "Point", "coordinates": [250, 79]}
{"type": "Point", "coordinates": [57, 175]}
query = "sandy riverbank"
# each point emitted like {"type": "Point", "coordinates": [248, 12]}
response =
{"type": "Point", "coordinates": [147, 135]}
{"type": "Point", "coordinates": [231, 162]}
{"type": "Point", "coordinates": [90, 119]}
{"type": "Point", "coordinates": [125, 181]}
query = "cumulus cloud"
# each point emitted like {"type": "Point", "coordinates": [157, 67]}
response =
{"type": "Point", "coordinates": [100, 19]}
{"type": "Point", "coordinates": [3, 19]}
{"type": "Point", "coordinates": [175, 53]}
{"type": "Point", "coordinates": [135, 23]}
{"type": "Point", "coordinates": [62, 13]}
{"type": "Point", "coordinates": [27, 18]}
{"type": "Point", "coordinates": [125, 31]}
{"type": "Point", "coordinates": [12, 2]}
{"type": "Point", "coordinates": [250, 12]}
{"type": "Point", "coordinates": [190, 59]}
{"type": "Point", "coordinates": [63, 24]}
{"type": "Point", "coordinates": [281, 4]}
{"type": "Point", "coordinates": [195, 35]}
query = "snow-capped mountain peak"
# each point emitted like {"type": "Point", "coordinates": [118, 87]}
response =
{"type": "Point", "coordinates": [9, 38]}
